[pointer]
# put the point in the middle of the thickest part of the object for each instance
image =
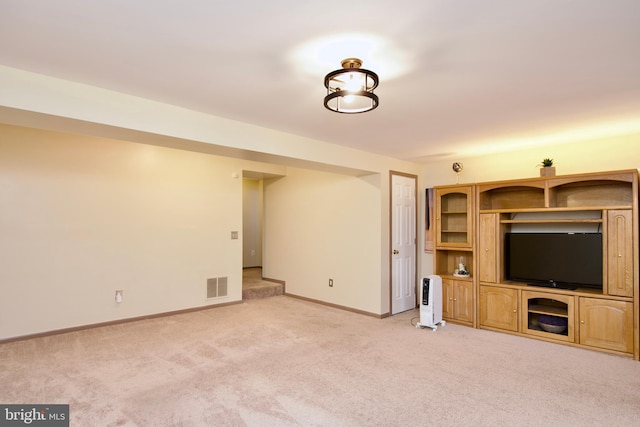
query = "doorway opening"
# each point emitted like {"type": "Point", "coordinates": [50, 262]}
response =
{"type": "Point", "coordinates": [253, 283]}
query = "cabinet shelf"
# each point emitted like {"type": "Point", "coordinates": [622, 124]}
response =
{"type": "Point", "coordinates": [550, 221]}
{"type": "Point", "coordinates": [537, 329]}
{"type": "Point", "coordinates": [545, 309]}
{"type": "Point", "coordinates": [459, 278]}
{"type": "Point", "coordinates": [455, 251]}
{"type": "Point", "coordinates": [606, 190]}
{"type": "Point", "coordinates": [570, 209]}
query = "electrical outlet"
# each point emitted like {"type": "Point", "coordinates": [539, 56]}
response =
{"type": "Point", "coordinates": [118, 297]}
{"type": "Point", "coordinates": [331, 283]}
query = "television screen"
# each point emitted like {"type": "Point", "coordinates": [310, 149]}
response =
{"type": "Point", "coordinates": [563, 260]}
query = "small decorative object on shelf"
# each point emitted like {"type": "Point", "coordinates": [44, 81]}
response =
{"type": "Point", "coordinates": [547, 168]}
{"type": "Point", "coordinates": [461, 271]}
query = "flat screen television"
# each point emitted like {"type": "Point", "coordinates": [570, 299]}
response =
{"type": "Point", "coordinates": [558, 260]}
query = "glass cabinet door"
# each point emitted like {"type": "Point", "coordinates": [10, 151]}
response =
{"type": "Point", "coordinates": [548, 315]}
{"type": "Point", "coordinates": [453, 217]}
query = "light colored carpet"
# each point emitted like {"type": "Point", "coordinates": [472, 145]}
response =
{"type": "Point", "coordinates": [281, 361]}
{"type": "Point", "coordinates": [254, 287]}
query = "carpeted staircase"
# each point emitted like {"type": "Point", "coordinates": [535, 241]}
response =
{"type": "Point", "coordinates": [253, 287]}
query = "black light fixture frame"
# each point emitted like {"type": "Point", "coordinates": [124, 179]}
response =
{"type": "Point", "coordinates": [333, 93]}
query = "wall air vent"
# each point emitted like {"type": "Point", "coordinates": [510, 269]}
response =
{"type": "Point", "coordinates": [222, 286]}
{"type": "Point", "coordinates": [217, 287]}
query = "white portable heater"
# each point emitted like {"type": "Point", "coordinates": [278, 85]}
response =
{"type": "Point", "coordinates": [431, 303]}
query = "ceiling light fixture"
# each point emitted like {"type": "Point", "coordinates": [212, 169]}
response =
{"type": "Point", "coordinates": [350, 90]}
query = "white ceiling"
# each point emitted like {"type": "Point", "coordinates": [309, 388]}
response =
{"type": "Point", "coordinates": [456, 76]}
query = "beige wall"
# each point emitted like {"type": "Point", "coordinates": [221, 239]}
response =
{"type": "Point", "coordinates": [82, 217]}
{"type": "Point", "coordinates": [320, 226]}
{"type": "Point", "coordinates": [85, 216]}
{"type": "Point", "coordinates": [614, 153]}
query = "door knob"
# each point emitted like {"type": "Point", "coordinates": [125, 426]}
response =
{"type": "Point", "coordinates": [396, 252]}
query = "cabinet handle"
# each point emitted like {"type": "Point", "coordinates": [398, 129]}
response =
{"type": "Point", "coordinates": [582, 322]}
{"type": "Point", "coordinates": [515, 311]}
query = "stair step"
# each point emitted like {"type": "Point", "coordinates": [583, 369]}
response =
{"type": "Point", "coordinates": [262, 290]}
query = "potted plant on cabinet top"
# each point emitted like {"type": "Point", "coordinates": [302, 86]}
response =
{"type": "Point", "coordinates": [547, 168]}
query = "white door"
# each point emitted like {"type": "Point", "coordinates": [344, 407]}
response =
{"type": "Point", "coordinates": [403, 243]}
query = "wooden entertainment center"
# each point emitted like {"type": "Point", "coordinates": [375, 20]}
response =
{"type": "Point", "coordinates": [471, 223]}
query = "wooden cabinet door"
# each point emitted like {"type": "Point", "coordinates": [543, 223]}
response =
{"type": "Point", "coordinates": [457, 300]}
{"type": "Point", "coordinates": [447, 299]}
{"type": "Point", "coordinates": [454, 218]}
{"type": "Point", "coordinates": [620, 253]}
{"type": "Point", "coordinates": [488, 247]}
{"type": "Point", "coordinates": [606, 324]}
{"type": "Point", "coordinates": [463, 300]}
{"type": "Point", "coordinates": [499, 308]}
